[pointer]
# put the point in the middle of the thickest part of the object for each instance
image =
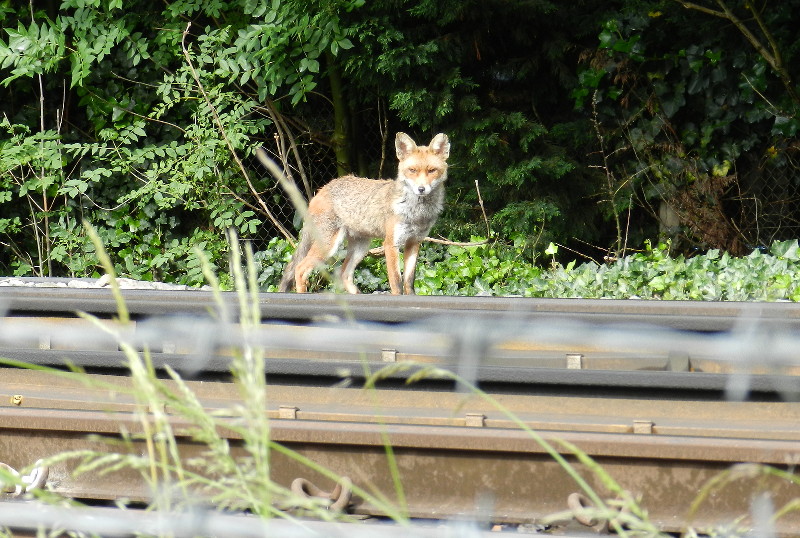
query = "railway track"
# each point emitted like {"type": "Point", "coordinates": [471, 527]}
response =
{"type": "Point", "coordinates": [665, 397]}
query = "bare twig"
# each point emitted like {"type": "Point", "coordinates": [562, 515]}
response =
{"type": "Point", "coordinates": [378, 251]}
{"type": "Point", "coordinates": [627, 226]}
{"type": "Point", "coordinates": [285, 134]}
{"type": "Point", "coordinates": [581, 254]}
{"type": "Point", "coordinates": [457, 243]}
{"type": "Point", "coordinates": [294, 194]}
{"type": "Point", "coordinates": [383, 126]}
{"type": "Point", "coordinates": [44, 257]}
{"type": "Point", "coordinates": [702, 9]}
{"type": "Point", "coordinates": [483, 211]}
{"type": "Point", "coordinates": [606, 167]}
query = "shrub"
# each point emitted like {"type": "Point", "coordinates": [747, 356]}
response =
{"type": "Point", "coordinates": [503, 270]}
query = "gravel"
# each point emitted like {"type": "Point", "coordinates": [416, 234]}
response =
{"type": "Point", "coordinates": [86, 283]}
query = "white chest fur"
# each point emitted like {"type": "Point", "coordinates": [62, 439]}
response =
{"type": "Point", "coordinates": [415, 215]}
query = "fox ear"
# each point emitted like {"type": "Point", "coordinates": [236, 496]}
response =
{"type": "Point", "coordinates": [440, 145]}
{"type": "Point", "coordinates": [404, 145]}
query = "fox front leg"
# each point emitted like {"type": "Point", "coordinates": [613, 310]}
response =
{"type": "Point", "coordinates": [410, 253]}
{"type": "Point", "coordinates": [392, 254]}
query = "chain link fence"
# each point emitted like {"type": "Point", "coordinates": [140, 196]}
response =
{"type": "Point", "coordinates": [770, 198]}
{"type": "Point", "coordinates": [304, 148]}
{"type": "Point", "coordinates": [766, 197]}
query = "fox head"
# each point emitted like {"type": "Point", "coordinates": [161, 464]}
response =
{"type": "Point", "coordinates": [422, 168]}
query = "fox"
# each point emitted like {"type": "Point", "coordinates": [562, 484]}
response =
{"type": "Point", "coordinates": [356, 210]}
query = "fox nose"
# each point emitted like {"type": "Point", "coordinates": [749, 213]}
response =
{"type": "Point", "coordinates": [421, 190]}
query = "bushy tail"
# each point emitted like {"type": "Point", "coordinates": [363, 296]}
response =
{"type": "Point", "coordinates": [287, 281]}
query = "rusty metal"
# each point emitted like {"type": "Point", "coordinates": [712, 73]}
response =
{"type": "Point", "coordinates": [581, 511]}
{"type": "Point", "coordinates": [345, 430]}
{"type": "Point", "coordinates": [587, 514]}
{"type": "Point", "coordinates": [680, 415]}
{"type": "Point", "coordinates": [526, 484]}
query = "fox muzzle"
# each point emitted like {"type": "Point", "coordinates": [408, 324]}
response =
{"type": "Point", "coordinates": [419, 190]}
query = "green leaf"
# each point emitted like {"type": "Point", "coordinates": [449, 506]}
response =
{"type": "Point", "coordinates": [787, 250]}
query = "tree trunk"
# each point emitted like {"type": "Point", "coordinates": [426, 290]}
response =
{"type": "Point", "coordinates": [341, 115]}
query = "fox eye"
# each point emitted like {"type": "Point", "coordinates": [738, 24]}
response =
{"type": "Point", "coordinates": [412, 170]}
{"type": "Point", "coordinates": [431, 170]}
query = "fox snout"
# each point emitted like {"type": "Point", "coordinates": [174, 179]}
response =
{"type": "Point", "coordinates": [420, 190]}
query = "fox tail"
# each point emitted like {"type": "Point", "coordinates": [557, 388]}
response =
{"type": "Point", "coordinates": [287, 281]}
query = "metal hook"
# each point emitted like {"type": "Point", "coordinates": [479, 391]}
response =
{"type": "Point", "coordinates": [36, 479]}
{"type": "Point", "coordinates": [340, 496]}
{"type": "Point", "coordinates": [582, 508]}
{"type": "Point", "coordinates": [580, 505]}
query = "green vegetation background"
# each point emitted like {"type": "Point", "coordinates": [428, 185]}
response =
{"type": "Point", "coordinates": [575, 124]}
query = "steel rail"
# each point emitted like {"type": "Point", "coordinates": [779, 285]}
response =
{"type": "Point", "coordinates": [521, 379]}
{"type": "Point", "coordinates": [535, 354]}
{"type": "Point", "coordinates": [640, 386]}
{"type": "Point", "coordinates": [32, 518]}
{"type": "Point", "coordinates": [684, 315]}
{"type": "Point", "coordinates": [662, 451]}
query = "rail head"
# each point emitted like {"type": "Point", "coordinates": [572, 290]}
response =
{"type": "Point", "coordinates": [683, 315]}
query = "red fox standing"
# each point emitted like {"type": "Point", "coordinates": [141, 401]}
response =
{"type": "Point", "coordinates": [400, 211]}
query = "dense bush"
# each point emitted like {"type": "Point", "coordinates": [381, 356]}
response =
{"type": "Point", "coordinates": [495, 269]}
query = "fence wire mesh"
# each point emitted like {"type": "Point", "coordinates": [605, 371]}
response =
{"type": "Point", "coordinates": [304, 147]}
{"type": "Point", "coordinates": [766, 192]}
{"type": "Point", "coordinates": [771, 199]}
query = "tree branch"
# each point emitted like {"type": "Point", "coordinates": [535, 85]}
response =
{"type": "Point", "coordinates": [702, 9]}
{"type": "Point", "coordinates": [772, 58]}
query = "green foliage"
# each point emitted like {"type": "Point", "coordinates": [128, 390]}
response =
{"type": "Point", "coordinates": [31, 50]}
{"type": "Point", "coordinates": [485, 73]}
{"type": "Point", "coordinates": [654, 274]}
{"type": "Point", "coordinates": [140, 118]}
{"type": "Point", "coordinates": [480, 270]}
{"type": "Point", "coordinates": [713, 276]}
{"type": "Point", "coordinates": [152, 167]}
{"type": "Point", "coordinates": [503, 270]}
{"type": "Point", "coordinates": [270, 263]}
{"type": "Point", "coordinates": [685, 106]}
{"type": "Point", "coordinates": [287, 46]}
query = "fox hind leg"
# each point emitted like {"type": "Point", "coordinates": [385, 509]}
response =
{"type": "Point", "coordinates": [324, 245]}
{"type": "Point", "coordinates": [304, 268]}
{"type": "Point", "coordinates": [300, 252]}
{"type": "Point", "coordinates": [357, 248]}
